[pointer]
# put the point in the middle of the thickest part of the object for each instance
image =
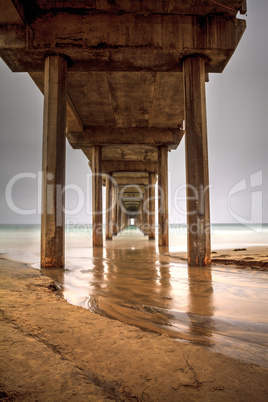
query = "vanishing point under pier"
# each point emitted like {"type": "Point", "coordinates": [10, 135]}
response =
{"type": "Point", "coordinates": [124, 82]}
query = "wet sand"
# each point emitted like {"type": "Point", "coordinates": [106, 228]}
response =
{"type": "Point", "coordinates": [52, 350]}
{"type": "Point", "coordinates": [223, 307]}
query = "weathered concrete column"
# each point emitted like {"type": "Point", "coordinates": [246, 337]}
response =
{"type": "Point", "coordinates": [114, 211]}
{"type": "Point", "coordinates": [53, 164]}
{"type": "Point", "coordinates": [198, 215]}
{"type": "Point", "coordinates": [109, 203]}
{"type": "Point", "coordinates": [97, 195]}
{"type": "Point", "coordinates": [138, 218]}
{"type": "Point", "coordinates": [163, 238]}
{"type": "Point", "coordinates": [145, 211]}
{"type": "Point", "coordinates": [119, 214]}
{"type": "Point", "coordinates": [142, 215]}
{"type": "Point", "coordinates": [124, 218]}
{"type": "Point", "coordinates": [151, 206]}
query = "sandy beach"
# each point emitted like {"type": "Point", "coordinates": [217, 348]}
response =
{"type": "Point", "coordinates": [52, 350]}
{"type": "Point", "coordinates": [134, 193]}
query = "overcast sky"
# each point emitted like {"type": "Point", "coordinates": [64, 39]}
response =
{"type": "Point", "coordinates": [237, 115]}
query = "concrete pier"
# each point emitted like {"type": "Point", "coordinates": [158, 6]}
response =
{"type": "Point", "coordinates": [53, 165]}
{"type": "Point", "coordinates": [198, 218]}
{"type": "Point", "coordinates": [114, 210]}
{"type": "Point", "coordinates": [109, 204]}
{"type": "Point", "coordinates": [120, 91]}
{"type": "Point", "coordinates": [146, 207]}
{"type": "Point", "coordinates": [163, 231]}
{"type": "Point", "coordinates": [97, 196]}
{"type": "Point", "coordinates": [151, 206]}
{"type": "Point", "coordinates": [119, 213]}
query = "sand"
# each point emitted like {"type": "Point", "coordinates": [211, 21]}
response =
{"type": "Point", "coordinates": [54, 351]}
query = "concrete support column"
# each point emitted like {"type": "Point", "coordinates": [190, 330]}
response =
{"type": "Point", "coordinates": [119, 213]}
{"type": "Point", "coordinates": [146, 211]}
{"type": "Point", "coordinates": [114, 211]}
{"type": "Point", "coordinates": [142, 215]}
{"type": "Point", "coordinates": [124, 219]}
{"type": "Point", "coordinates": [97, 195]}
{"type": "Point", "coordinates": [109, 203]}
{"type": "Point", "coordinates": [138, 217]}
{"type": "Point", "coordinates": [163, 238]}
{"type": "Point", "coordinates": [145, 215]}
{"type": "Point", "coordinates": [198, 214]}
{"type": "Point", "coordinates": [53, 163]}
{"type": "Point", "coordinates": [151, 206]}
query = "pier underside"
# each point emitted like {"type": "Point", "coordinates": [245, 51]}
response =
{"type": "Point", "coordinates": [123, 81]}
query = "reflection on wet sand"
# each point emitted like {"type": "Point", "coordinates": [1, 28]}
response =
{"type": "Point", "coordinates": [201, 309]}
{"type": "Point", "coordinates": [133, 281]}
{"type": "Point", "coordinates": [134, 286]}
{"type": "Point", "coordinates": [131, 285]}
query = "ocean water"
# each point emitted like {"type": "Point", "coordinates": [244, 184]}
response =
{"type": "Point", "coordinates": [223, 308]}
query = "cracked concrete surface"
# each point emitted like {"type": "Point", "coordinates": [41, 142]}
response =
{"type": "Point", "coordinates": [52, 350]}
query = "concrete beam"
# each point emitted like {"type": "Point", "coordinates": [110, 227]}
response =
{"type": "Point", "coordinates": [127, 153]}
{"type": "Point", "coordinates": [130, 191]}
{"type": "Point", "coordinates": [25, 9]}
{"type": "Point", "coordinates": [134, 198]}
{"type": "Point", "coordinates": [128, 166]}
{"type": "Point", "coordinates": [28, 11]}
{"type": "Point", "coordinates": [73, 119]}
{"type": "Point", "coordinates": [137, 181]}
{"type": "Point", "coordinates": [73, 115]}
{"type": "Point", "coordinates": [147, 42]}
{"type": "Point", "coordinates": [9, 14]}
{"type": "Point", "coordinates": [125, 136]}
{"type": "Point", "coordinates": [130, 203]}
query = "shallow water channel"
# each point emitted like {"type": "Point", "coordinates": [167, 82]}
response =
{"type": "Point", "coordinates": [223, 308]}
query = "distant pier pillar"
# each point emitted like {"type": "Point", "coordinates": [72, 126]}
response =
{"type": "Point", "coordinates": [142, 221]}
{"type": "Point", "coordinates": [137, 219]}
{"type": "Point", "coordinates": [114, 210]}
{"type": "Point", "coordinates": [109, 204]}
{"type": "Point", "coordinates": [151, 206]}
{"type": "Point", "coordinates": [163, 231]}
{"type": "Point", "coordinates": [146, 210]}
{"type": "Point", "coordinates": [198, 214]}
{"type": "Point", "coordinates": [53, 163]}
{"type": "Point", "coordinates": [119, 213]}
{"type": "Point", "coordinates": [97, 195]}
{"type": "Point", "coordinates": [123, 217]}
